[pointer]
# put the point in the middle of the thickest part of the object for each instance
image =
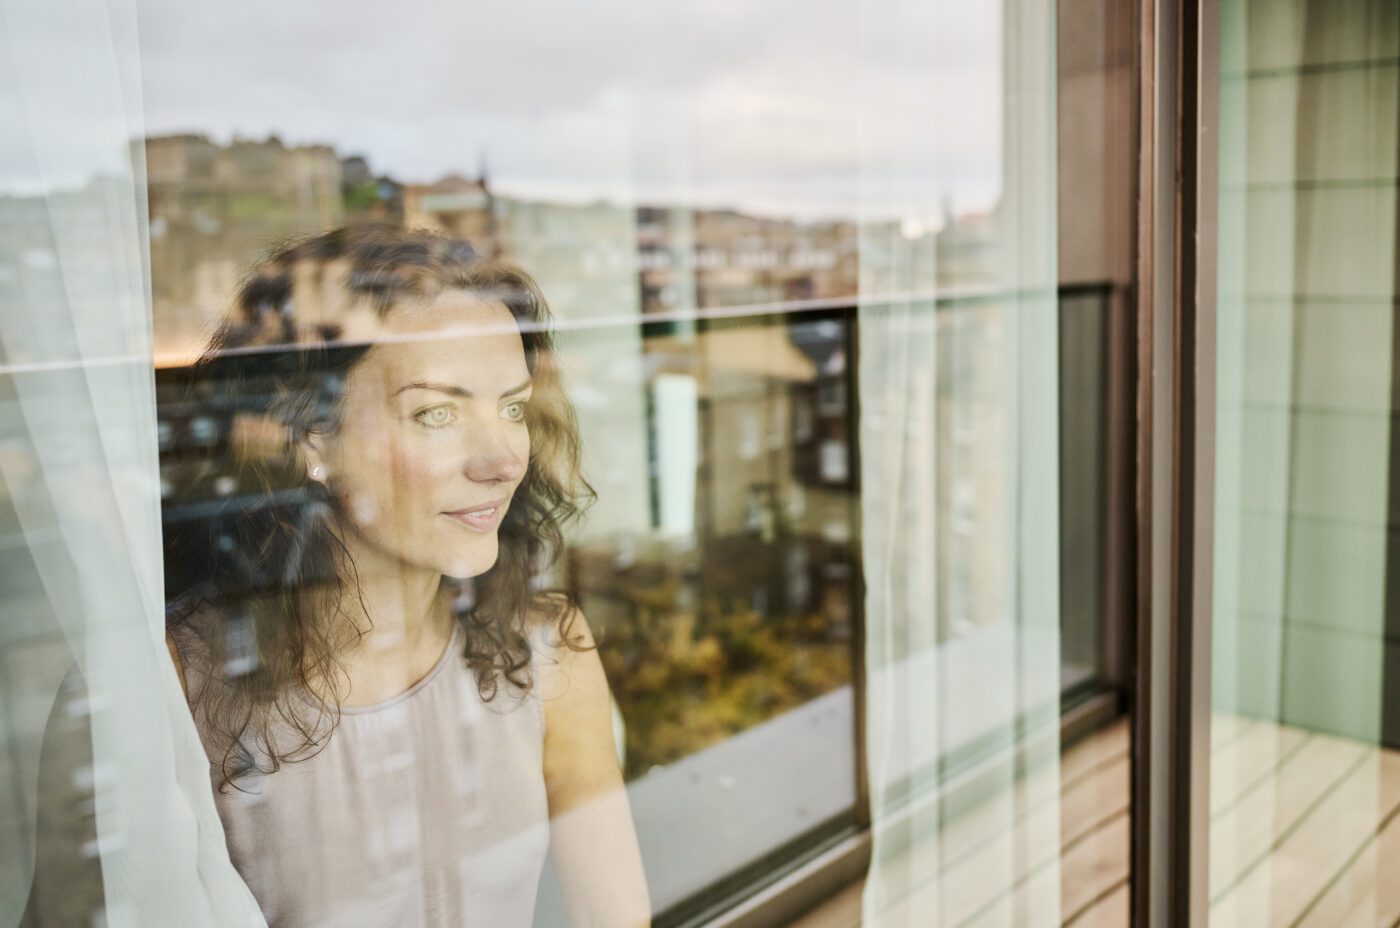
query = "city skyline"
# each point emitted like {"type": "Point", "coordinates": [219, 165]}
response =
{"type": "Point", "coordinates": [10, 188]}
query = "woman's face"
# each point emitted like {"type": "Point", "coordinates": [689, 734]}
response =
{"type": "Point", "coordinates": [432, 442]}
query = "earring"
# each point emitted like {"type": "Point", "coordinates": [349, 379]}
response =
{"type": "Point", "coordinates": [317, 473]}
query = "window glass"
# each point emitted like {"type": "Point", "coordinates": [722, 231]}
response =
{"type": "Point", "coordinates": [1304, 662]}
{"type": "Point", "coordinates": [702, 271]}
{"type": "Point", "coordinates": [607, 448]}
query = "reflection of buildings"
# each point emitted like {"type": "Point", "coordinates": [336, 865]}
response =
{"type": "Point", "coordinates": [214, 209]}
{"type": "Point", "coordinates": [965, 251]}
{"type": "Point", "coordinates": [772, 474]}
{"type": "Point", "coordinates": [367, 196]}
{"type": "Point", "coordinates": [455, 206]}
{"type": "Point", "coordinates": [757, 499]}
{"type": "Point", "coordinates": [582, 257]}
{"type": "Point", "coordinates": [773, 501]}
{"type": "Point", "coordinates": [723, 552]}
{"type": "Point", "coordinates": [717, 258]}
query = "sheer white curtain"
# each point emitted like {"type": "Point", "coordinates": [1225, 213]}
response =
{"type": "Point", "coordinates": [959, 457]}
{"type": "Point", "coordinates": [81, 488]}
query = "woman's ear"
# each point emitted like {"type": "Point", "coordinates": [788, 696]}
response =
{"type": "Point", "coordinates": [311, 448]}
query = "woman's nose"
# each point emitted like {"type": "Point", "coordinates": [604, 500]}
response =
{"type": "Point", "coordinates": [493, 458]}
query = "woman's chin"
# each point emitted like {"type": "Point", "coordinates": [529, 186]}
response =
{"type": "Point", "coordinates": [473, 563]}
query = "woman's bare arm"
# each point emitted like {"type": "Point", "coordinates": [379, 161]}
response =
{"type": "Point", "coordinates": [592, 838]}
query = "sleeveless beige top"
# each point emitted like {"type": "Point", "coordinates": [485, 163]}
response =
{"type": "Point", "coordinates": [427, 809]}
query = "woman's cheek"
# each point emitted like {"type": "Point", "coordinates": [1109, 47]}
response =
{"type": "Point", "coordinates": [378, 470]}
{"type": "Point", "coordinates": [417, 470]}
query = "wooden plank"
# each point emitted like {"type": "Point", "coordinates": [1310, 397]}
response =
{"type": "Point", "coordinates": [1095, 864]}
{"type": "Point", "coordinates": [1087, 870]}
{"type": "Point", "coordinates": [973, 830]}
{"type": "Point", "coordinates": [1109, 911]}
{"type": "Point", "coordinates": [1243, 763]}
{"type": "Point", "coordinates": [1225, 727]}
{"type": "Point", "coordinates": [1105, 744]}
{"type": "Point", "coordinates": [989, 871]}
{"type": "Point", "coordinates": [1366, 891]}
{"type": "Point", "coordinates": [964, 834]}
{"type": "Point", "coordinates": [1014, 867]}
{"type": "Point", "coordinates": [1001, 865]}
{"type": "Point", "coordinates": [1094, 799]}
{"type": "Point", "coordinates": [996, 850]}
{"type": "Point", "coordinates": [1283, 886]}
{"type": "Point", "coordinates": [1244, 834]}
{"type": "Point", "coordinates": [1302, 843]}
{"type": "Point", "coordinates": [1107, 747]}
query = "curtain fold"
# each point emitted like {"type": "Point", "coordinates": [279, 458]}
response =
{"type": "Point", "coordinates": [81, 485]}
{"type": "Point", "coordinates": [959, 462]}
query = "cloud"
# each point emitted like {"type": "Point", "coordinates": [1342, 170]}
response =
{"type": "Point", "coordinates": [804, 106]}
{"type": "Point", "coordinates": [69, 94]}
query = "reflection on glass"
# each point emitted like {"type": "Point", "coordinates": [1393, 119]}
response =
{"type": "Point", "coordinates": [959, 480]}
{"type": "Point", "coordinates": [717, 564]}
{"type": "Point", "coordinates": [1305, 780]}
{"type": "Point", "coordinates": [801, 260]}
{"type": "Point", "coordinates": [365, 475]}
{"type": "Point", "coordinates": [735, 606]}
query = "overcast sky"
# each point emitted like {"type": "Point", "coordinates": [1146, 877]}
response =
{"type": "Point", "coordinates": [805, 107]}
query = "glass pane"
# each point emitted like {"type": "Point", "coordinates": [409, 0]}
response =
{"type": "Point", "coordinates": [1303, 782]}
{"type": "Point", "coordinates": [355, 361]}
{"type": "Point", "coordinates": [663, 222]}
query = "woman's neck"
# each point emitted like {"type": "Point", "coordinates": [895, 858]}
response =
{"type": "Point", "coordinates": [404, 619]}
{"type": "Point", "coordinates": [397, 610]}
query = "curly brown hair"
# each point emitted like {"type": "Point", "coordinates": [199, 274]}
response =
{"type": "Point", "coordinates": [267, 365]}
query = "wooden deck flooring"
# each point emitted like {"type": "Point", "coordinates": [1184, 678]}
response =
{"type": "Point", "coordinates": [1305, 832]}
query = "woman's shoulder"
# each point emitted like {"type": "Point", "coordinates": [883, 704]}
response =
{"type": "Point", "coordinates": [556, 624]}
{"type": "Point", "coordinates": [562, 642]}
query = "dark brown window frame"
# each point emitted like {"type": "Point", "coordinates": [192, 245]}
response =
{"type": "Point", "coordinates": [1178, 83]}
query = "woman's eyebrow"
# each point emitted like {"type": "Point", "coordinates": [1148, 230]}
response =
{"type": "Point", "coordinates": [454, 390]}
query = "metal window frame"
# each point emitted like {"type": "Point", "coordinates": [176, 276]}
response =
{"type": "Point", "coordinates": [1178, 80]}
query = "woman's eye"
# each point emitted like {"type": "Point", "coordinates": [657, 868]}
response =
{"type": "Point", "coordinates": [437, 417]}
{"type": "Point", "coordinates": [515, 412]}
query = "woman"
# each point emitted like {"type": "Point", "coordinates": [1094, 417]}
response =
{"type": "Point", "coordinates": [399, 723]}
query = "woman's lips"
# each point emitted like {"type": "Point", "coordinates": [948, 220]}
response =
{"type": "Point", "coordinates": [480, 518]}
